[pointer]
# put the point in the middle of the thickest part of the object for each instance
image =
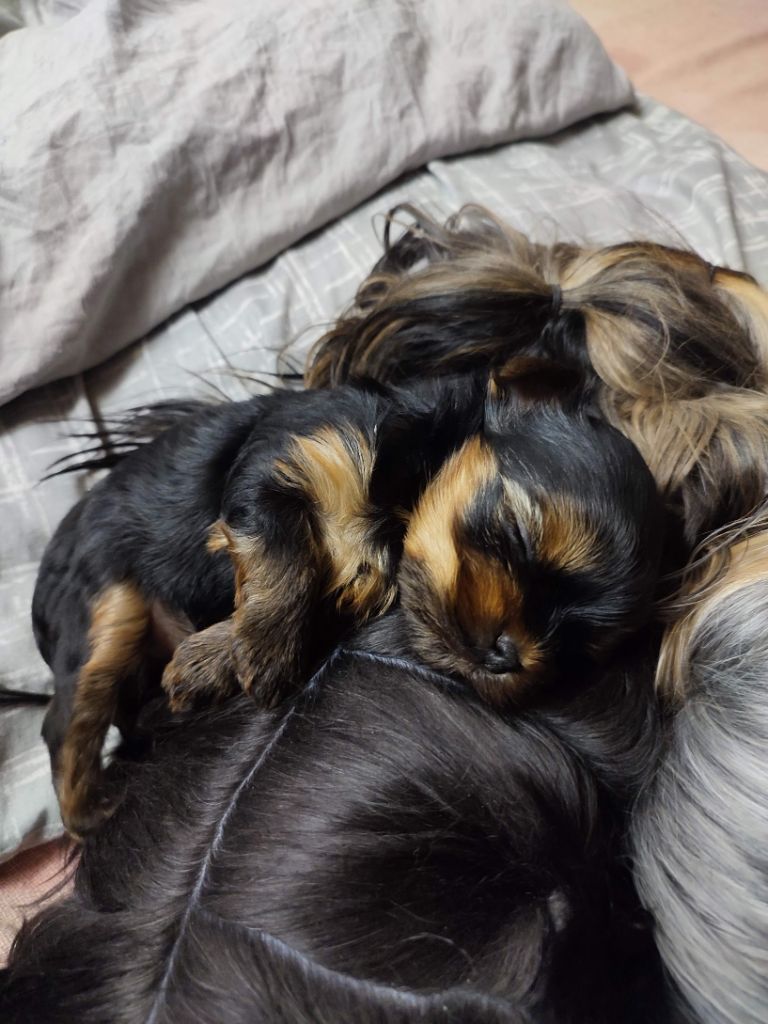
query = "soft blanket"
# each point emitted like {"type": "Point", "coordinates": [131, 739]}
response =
{"type": "Point", "coordinates": [152, 152]}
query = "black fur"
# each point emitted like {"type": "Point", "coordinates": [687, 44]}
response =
{"type": "Point", "coordinates": [148, 524]}
{"type": "Point", "coordinates": [10, 696]}
{"type": "Point", "coordinates": [384, 849]}
{"type": "Point", "coordinates": [567, 527]}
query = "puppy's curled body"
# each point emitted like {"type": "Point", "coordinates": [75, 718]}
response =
{"type": "Point", "coordinates": [310, 491]}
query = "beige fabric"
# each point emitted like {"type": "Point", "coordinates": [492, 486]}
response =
{"type": "Point", "coordinates": [152, 152]}
{"type": "Point", "coordinates": [25, 883]}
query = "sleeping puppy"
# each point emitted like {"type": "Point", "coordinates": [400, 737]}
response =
{"type": "Point", "coordinates": [287, 510]}
{"type": "Point", "coordinates": [535, 549]}
{"type": "Point", "coordinates": [522, 531]}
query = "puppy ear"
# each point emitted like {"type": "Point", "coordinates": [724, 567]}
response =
{"type": "Point", "coordinates": [530, 379]}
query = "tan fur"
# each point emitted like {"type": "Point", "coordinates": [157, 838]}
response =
{"type": "Point", "coordinates": [202, 666]}
{"type": "Point", "coordinates": [489, 601]}
{"type": "Point", "coordinates": [718, 435]}
{"type": "Point", "coordinates": [240, 648]}
{"type": "Point", "coordinates": [749, 302]}
{"type": "Point", "coordinates": [633, 356]}
{"type": "Point", "coordinates": [652, 314]}
{"type": "Point", "coordinates": [476, 252]}
{"type": "Point", "coordinates": [262, 645]}
{"type": "Point", "coordinates": [431, 535]}
{"type": "Point", "coordinates": [723, 570]}
{"type": "Point", "coordinates": [219, 537]}
{"type": "Point", "coordinates": [564, 539]}
{"type": "Point", "coordinates": [657, 322]}
{"type": "Point", "coordinates": [445, 584]}
{"type": "Point", "coordinates": [334, 471]}
{"type": "Point", "coordinates": [485, 596]}
{"type": "Point", "coordinates": [120, 619]}
{"type": "Point", "coordinates": [256, 575]}
{"type": "Point", "coordinates": [168, 629]}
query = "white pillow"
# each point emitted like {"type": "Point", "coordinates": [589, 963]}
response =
{"type": "Point", "coordinates": [152, 152]}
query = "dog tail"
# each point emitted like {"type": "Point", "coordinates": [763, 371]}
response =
{"type": "Point", "coordinates": [701, 833]}
{"type": "Point", "coordinates": [649, 320]}
{"type": "Point", "coordinates": [107, 441]}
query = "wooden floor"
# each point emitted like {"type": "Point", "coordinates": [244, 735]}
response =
{"type": "Point", "coordinates": [706, 58]}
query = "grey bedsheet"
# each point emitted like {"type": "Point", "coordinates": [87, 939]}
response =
{"type": "Point", "coordinates": [644, 173]}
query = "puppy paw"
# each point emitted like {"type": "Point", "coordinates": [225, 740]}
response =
{"type": "Point", "coordinates": [267, 674]}
{"type": "Point", "coordinates": [86, 805]}
{"type": "Point", "coordinates": [201, 669]}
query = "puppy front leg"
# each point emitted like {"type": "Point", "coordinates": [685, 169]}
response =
{"type": "Point", "coordinates": [311, 559]}
{"type": "Point", "coordinates": [202, 667]}
{"type": "Point", "coordinates": [262, 647]}
{"type": "Point", "coordinates": [303, 540]}
{"type": "Point", "coordinates": [276, 597]}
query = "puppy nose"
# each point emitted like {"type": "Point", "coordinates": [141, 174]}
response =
{"type": "Point", "coordinates": [503, 656]}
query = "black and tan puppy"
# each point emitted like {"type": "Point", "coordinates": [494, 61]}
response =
{"type": "Point", "coordinates": [521, 530]}
{"type": "Point", "coordinates": [535, 550]}
{"type": "Point", "coordinates": [288, 510]}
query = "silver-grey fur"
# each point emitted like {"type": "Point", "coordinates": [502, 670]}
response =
{"type": "Point", "coordinates": [701, 834]}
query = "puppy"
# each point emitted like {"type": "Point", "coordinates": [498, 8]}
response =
{"type": "Point", "coordinates": [535, 549]}
{"type": "Point", "coordinates": [287, 510]}
{"type": "Point", "coordinates": [269, 525]}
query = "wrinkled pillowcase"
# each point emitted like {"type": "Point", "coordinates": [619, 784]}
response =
{"type": "Point", "coordinates": [150, 153]}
